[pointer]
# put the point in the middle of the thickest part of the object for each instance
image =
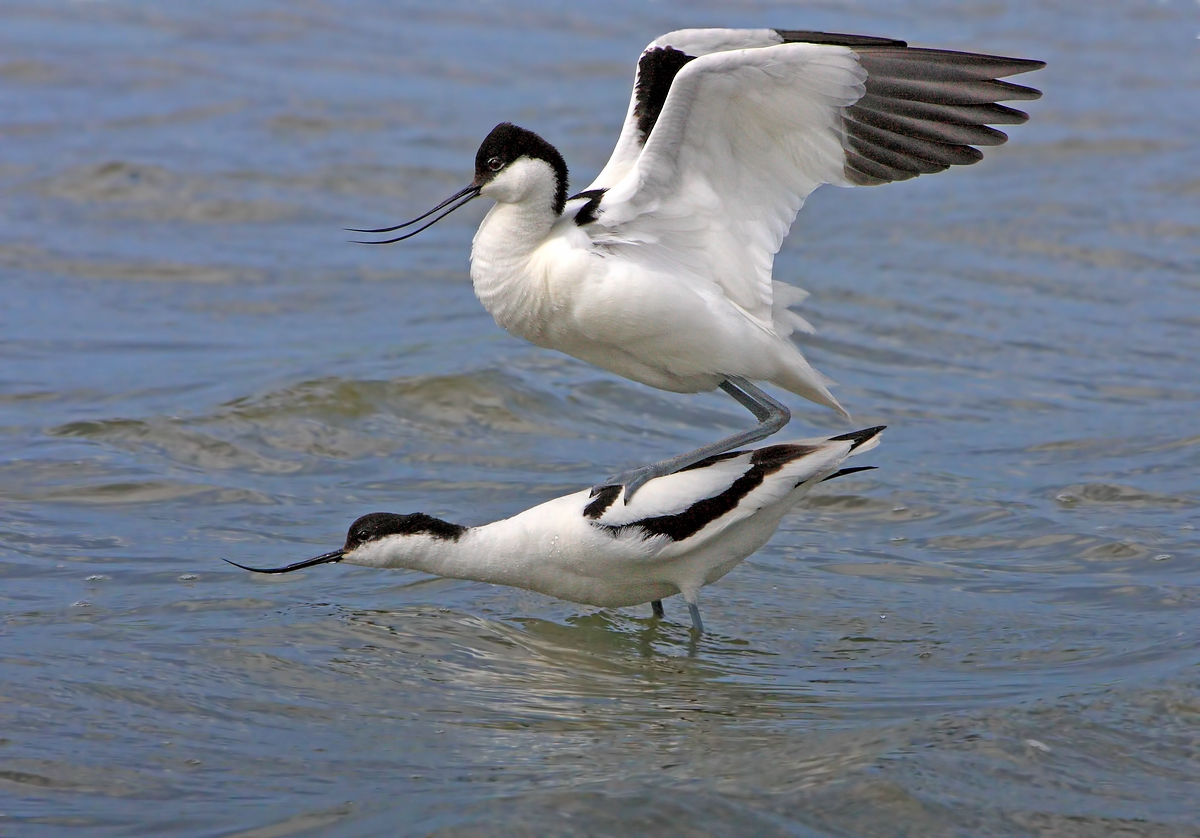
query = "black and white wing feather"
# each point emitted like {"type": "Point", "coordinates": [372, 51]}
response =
{"type": "Point", "coordinates": [695, 504]}
{"type": "Point", "coordinates": [657, 67]}
{"type": "Point", "coordinates": [728, 131]}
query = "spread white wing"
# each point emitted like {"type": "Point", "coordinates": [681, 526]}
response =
{"type": "Point", "coordinates": [729, 131]}
{"type": "Point", "coordinates": [649, 75]}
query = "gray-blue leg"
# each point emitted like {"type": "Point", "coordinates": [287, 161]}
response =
{"type": "Point", "coordinates": [697, 623]}
{"type": "Point", "coordinates": [771, 416]}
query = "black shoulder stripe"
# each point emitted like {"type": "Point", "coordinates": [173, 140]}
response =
{"type": "Point", "coordinates": [763, 462]}
{"type": "Point", "coordinates": [803, 36]}
{"type": "Point", "coordinates": [657, 69]}
{"type": "Point", "coordinates": [600, 504]}
{"type": "Point", "coordinates": [591, 210]}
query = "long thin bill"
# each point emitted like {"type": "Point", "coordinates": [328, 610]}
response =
{"type": "Point", "coordinates": [470, 197]}
{"type": "Point", "coordinates": [471, 190]}
{"type": "Point", "coordinates": [335, 556]}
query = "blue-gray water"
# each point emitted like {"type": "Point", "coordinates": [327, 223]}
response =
{"type": "Point", "coordinates": [993, 634]}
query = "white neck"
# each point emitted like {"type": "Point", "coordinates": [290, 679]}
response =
{"type": "Point", "coordinates": [510, 288]}
{"type": "Point", "coordinates": [500, 553]}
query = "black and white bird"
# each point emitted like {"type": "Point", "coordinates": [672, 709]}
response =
{"type": "Point", "coordinates": [660, 271]}
{"type": "Point", "coordinates": [681, 532]}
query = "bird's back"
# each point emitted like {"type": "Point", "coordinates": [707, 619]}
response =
{"type": "Point", "coordinates": [679, 532]}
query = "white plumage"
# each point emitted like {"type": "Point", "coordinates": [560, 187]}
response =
{"type": "Point", "coordinates": [683, 531]}
{"type": "Point", "coordinates": [661, 271]}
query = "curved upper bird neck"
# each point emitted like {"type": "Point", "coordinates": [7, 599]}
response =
{"type": "Point", "coordinates": [528, 179]}
{"type": "Point", "coordinates": [529, 203]}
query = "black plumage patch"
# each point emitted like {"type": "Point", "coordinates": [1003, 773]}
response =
{"type": "Point", "coordinates": [601, 502]}
{"type": "Point", "coordinates": [377, 525]}
{"type": "Point", "coordinates": [924, 110]}
{"type": "Point", "coordinates": [682, 525]}
{"type": "Point", "coordinates": [657, 69]}
{"type": "Point", "coordinates": [859, 437]}
{"type": "Point", "coordinates": [508, 142]}
{"type": "Point", "coordinates": [591, 210]}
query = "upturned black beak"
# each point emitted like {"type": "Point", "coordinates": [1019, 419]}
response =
{"type": "Point", "coordinates": [463, 198]}
{"type": "Point", "coordinates": [335, 556]}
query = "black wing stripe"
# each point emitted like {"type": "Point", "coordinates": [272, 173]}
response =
{"type": "Point", "coordinates": [763, 462]}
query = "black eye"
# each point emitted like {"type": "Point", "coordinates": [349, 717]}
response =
{"type": "Point", "coordinates": [495, 164]}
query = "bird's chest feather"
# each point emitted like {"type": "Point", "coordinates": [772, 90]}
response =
{"type": "Point", "coordinates": [528, 279]}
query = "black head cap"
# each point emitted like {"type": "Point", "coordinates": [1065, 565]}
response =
{"type": "Point", "coordinates": [379, 524]}
{"type": "Point", "coordinates": [508, 142]}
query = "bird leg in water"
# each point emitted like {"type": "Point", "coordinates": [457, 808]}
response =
{"type": "Point", "coordinates": [658, 609]}
{"type": "Point", "coordinates": [770, 414]}
{"type": "Point", "coordinates": [697, 623]}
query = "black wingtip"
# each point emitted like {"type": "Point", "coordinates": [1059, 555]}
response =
{"type": "Point", "coordinates": [1022, 65]}
{"type": "Point", "coordinates": [859, 437]}
{"type": "Point", "coordinates": [842, 472]}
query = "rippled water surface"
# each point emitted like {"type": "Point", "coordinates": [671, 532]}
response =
{"type": "Point", "coordinates": [995, 633]}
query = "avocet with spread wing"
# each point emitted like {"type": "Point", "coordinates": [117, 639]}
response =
{"type": "Point", "coordinates": [660, 271]}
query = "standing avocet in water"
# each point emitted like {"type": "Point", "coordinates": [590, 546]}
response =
{"type": "Point", "coordinates": [683, 530]}
{"type": "Point", "coordinates": [660, 271]}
